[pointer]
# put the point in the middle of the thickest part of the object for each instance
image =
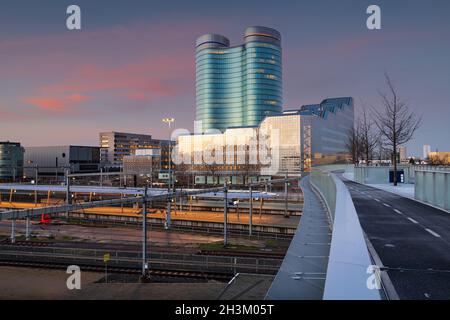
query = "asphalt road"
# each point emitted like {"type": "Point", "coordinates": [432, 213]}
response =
{"type": "Point", "coordinates": [412, 240]}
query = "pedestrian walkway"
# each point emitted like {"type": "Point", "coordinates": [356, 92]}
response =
{"type": "Point", "coordinates": [302, 273]}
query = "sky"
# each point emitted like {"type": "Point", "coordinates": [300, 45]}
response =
{"type": "Point", "coordinates": [133, 62]}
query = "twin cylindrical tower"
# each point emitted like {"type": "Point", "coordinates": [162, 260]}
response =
{"type": "Point", "coordinates": [238, 86]}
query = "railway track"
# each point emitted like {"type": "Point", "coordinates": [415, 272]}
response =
{"type": "Point", "coordinates": [208, 230]}
{"type": "Point", "coordinates": [124, 270]}
{"type": "Point", "coordinates": [223, 253]}
{"type": "Point", "coordinates": [198, 262]}
{"type": "Point", "coordinates": [92, 245]}
{"type": "Point", "coordinates": [7, 242]}
{"type": "Point", "coordinates": [235, 253]}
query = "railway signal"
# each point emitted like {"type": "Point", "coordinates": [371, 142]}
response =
{"type": "Point", "coordinates": [106, 258]}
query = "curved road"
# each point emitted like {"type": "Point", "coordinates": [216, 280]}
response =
{"type": "Point", "coordinates": [412, 240]}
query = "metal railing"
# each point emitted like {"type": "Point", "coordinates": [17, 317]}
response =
{"type": "Point", "coordinates": [182, 261]}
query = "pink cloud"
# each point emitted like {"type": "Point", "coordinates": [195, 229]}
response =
{"type": "Point", "coordinates": [355, 44]}
{"type": "Point", "coordinates": [6, 114]}
{"type": "Point", "coordinates": [55, 104]}
{"type": "Point", "coordinates": [137, 96]}
{"type": "Point", "coordinates": [46, 103]}
{"type": "Point", "coordinates": [76, 97]}
{"type": "Point", "coordinates": [145, 71]}
{"type": "Point", "coordinates": [137, 81]}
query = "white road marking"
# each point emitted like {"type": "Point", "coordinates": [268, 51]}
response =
{"type": "Point", "coordinates": [412, 220]}
{"type": "Point", "coordinates": [376, 200]}
{"type": "Point", "coordinates": [433, 233]}
{"type": "Point", "coordinates": [398, 211]}
{"type": "Point", "coordinates": [386, 205]}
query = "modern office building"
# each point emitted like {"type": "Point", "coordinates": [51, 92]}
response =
{"type": "Point", "coordinates": [330, 123]}
{"type": "Point", "coordinates": [241, 85]}
{"type": "Point", "coordinates": [145, 163]}
{"type": "Point", "coordinates": [114, 146]}
{"type": "Point", "coordinates": [426, 151]}
{"type": "Point", "coordinates": [208, 158]}
{"type": "Point", "coordinates": [11, 161]}
{"type": "Point", "coordinates": [54, 161]}
{"type": "Point", "coordinates": [402, 153]}
{"type": "Point", "coordinates": [288, 143]}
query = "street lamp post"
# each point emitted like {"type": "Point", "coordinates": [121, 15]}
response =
{"type": "Point", "coordinates": [144, 234]}
{"type": "Point", "coordinates": [250, 218]}
{"type": "Point", "coordinates": [225, 214]}
{"type": "Point", "coordinates": [68, 195]}
{"type": "Point", "coordinates": [286, 187]}
{"type": "Point", "coordinates": [169, 122]}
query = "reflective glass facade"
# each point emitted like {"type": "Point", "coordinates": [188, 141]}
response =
{"type": "Point", "coordinates": [238, 86]}
{"type": "Point", "coordinates": [11, 160]}
{"type": "Point", "coordinates": [292, 141]}
{"type": "Point", "coordinates": [331, 122]}
{"type": "Point", "coordinates": [285, 143]}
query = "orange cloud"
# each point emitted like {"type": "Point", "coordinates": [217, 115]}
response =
{"type": "Point", "coordinates": [144, 76]}
{"type": "Point", "coordinates": [76, 97]}
{"type": "Point", "coordinates": [139, 81]}
{"type": "Point", "coordinates": [45, 103]}
{"type": "Point", "coordinates": [56, 104]}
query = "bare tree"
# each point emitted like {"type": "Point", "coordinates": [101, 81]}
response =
{"type": "Point", "coordinates": [382, 152]}
{"type": "Point", "coordinates": [396, 122]}
{"type": "Point", "coordinates": [353, 143]}
{"type": "Point", "coordinates": [369, 139]}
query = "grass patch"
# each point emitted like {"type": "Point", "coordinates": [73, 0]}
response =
{"type": "Point", "coordinates": [35, 239]}
{"type": "Point", "coordinates": [219, 246]}
{"type": "Point", "coordinates": [67, 238]}
{"type": "Point", "coordinates": [272, 243]}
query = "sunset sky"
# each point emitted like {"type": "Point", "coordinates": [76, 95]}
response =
{"type": "Point", "coordinates": [133, 62]}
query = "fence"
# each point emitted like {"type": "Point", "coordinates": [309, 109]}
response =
{"type": "Point", "coordinates": [159, 260]}
{"type": "Point", "coordinates": [433, 187]}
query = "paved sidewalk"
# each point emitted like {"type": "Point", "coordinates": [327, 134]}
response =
{"type": "Point", "coordinates": [402, 189]}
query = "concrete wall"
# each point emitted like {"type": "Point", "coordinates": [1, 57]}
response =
{"type": "Point", "coordinates": [378, 175]}
{"type": "Point", "coordinates": [433, 187]}
{"type": "Point", "coordinates": [349, 261]}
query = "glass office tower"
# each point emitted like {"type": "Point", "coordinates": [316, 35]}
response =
{"type": "Point", "coordinates": [238, 86]}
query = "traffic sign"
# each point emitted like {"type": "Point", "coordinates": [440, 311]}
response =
{"type": "Point", "coordinates": [163, 176]}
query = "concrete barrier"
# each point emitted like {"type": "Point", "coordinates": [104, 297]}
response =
{"type": "Point", "coordinates": [350, 268]}
{"type": "Point", "coordinates": [379, 174]}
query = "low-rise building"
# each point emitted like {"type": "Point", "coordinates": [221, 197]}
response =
{"type": "Point", "coordinates": [54, 161]}
{"type": "Point", "coordinates": [439, 158]}
{"type": "Point", "coordinates": [114, 146]}
{"type": "Point", "coordinates": [144, 164]}
{"type": "Point", "coordinates": [11, 161]}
